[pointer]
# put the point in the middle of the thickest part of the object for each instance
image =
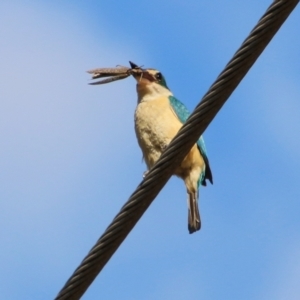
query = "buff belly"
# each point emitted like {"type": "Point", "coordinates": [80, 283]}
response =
{"type": "Point", "coordinates": [156, 124]}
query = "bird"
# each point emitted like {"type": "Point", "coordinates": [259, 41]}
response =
{"type": "Point", "coordinates": [158, 117]}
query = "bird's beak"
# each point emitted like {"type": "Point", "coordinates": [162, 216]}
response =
{"type": "Point", "coordinates": [141, 75]}
{"type": "Point", "coordinates": [133, 65]}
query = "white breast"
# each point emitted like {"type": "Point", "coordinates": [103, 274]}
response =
{"type": "Point", "coordinates": [155, 124]}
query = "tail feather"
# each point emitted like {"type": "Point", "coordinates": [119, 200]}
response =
{"type": "Point", "coordinates": [194, 221]}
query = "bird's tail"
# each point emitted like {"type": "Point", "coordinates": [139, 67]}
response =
{"type": "Point", "coordinates": [194, 221]}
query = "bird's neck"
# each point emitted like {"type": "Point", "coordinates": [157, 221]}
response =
{"type": "Point", "coordinates": [151, 91]}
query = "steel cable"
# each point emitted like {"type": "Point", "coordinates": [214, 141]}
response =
{"type": "Point", "coordinates": [157, 177]}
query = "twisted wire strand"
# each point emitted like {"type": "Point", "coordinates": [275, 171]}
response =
{"type": "Point", "coordinates": [157, 177]}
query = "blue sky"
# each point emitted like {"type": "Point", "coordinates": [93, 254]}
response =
{"type": "Point", "coordinates": [69, 158]}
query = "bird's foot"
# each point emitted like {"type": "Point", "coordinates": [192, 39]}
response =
{"type": "Point", "coordinates": [145, 174]}
{"type": "Point", "coordinates": [164, 147]}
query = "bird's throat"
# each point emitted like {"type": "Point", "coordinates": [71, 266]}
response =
{"type": "Point", "coordinates": [148, 91]}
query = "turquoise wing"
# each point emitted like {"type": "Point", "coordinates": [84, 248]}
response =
{"type": "Point", "coordinates": [183, 114]}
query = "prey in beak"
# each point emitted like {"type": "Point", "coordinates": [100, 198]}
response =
{"type": "Point", "coordinates": [142, 76]}
{"type": "Point", "coordinates": [113, 74]}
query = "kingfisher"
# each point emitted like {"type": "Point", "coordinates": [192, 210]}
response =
{"type": "Point", "coordinates": [158, 118]}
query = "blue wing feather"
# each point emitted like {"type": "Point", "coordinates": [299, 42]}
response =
{"type": "Point", "coordinates": [180, 109]}
{"type": "Point", "coordinates": [183, 114]}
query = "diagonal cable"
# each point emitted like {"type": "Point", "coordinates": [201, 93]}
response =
{"type": "Point", "coordinates": [204, 113]}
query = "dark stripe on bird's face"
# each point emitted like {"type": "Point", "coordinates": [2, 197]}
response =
{"type": "Point", "coordinates": [147, 75]}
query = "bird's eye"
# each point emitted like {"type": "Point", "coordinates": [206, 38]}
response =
{"type": "Point", "coordinates": [158, 76]}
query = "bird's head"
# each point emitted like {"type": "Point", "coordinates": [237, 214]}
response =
{"type": "Point", "coordinates": [149, 81]}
